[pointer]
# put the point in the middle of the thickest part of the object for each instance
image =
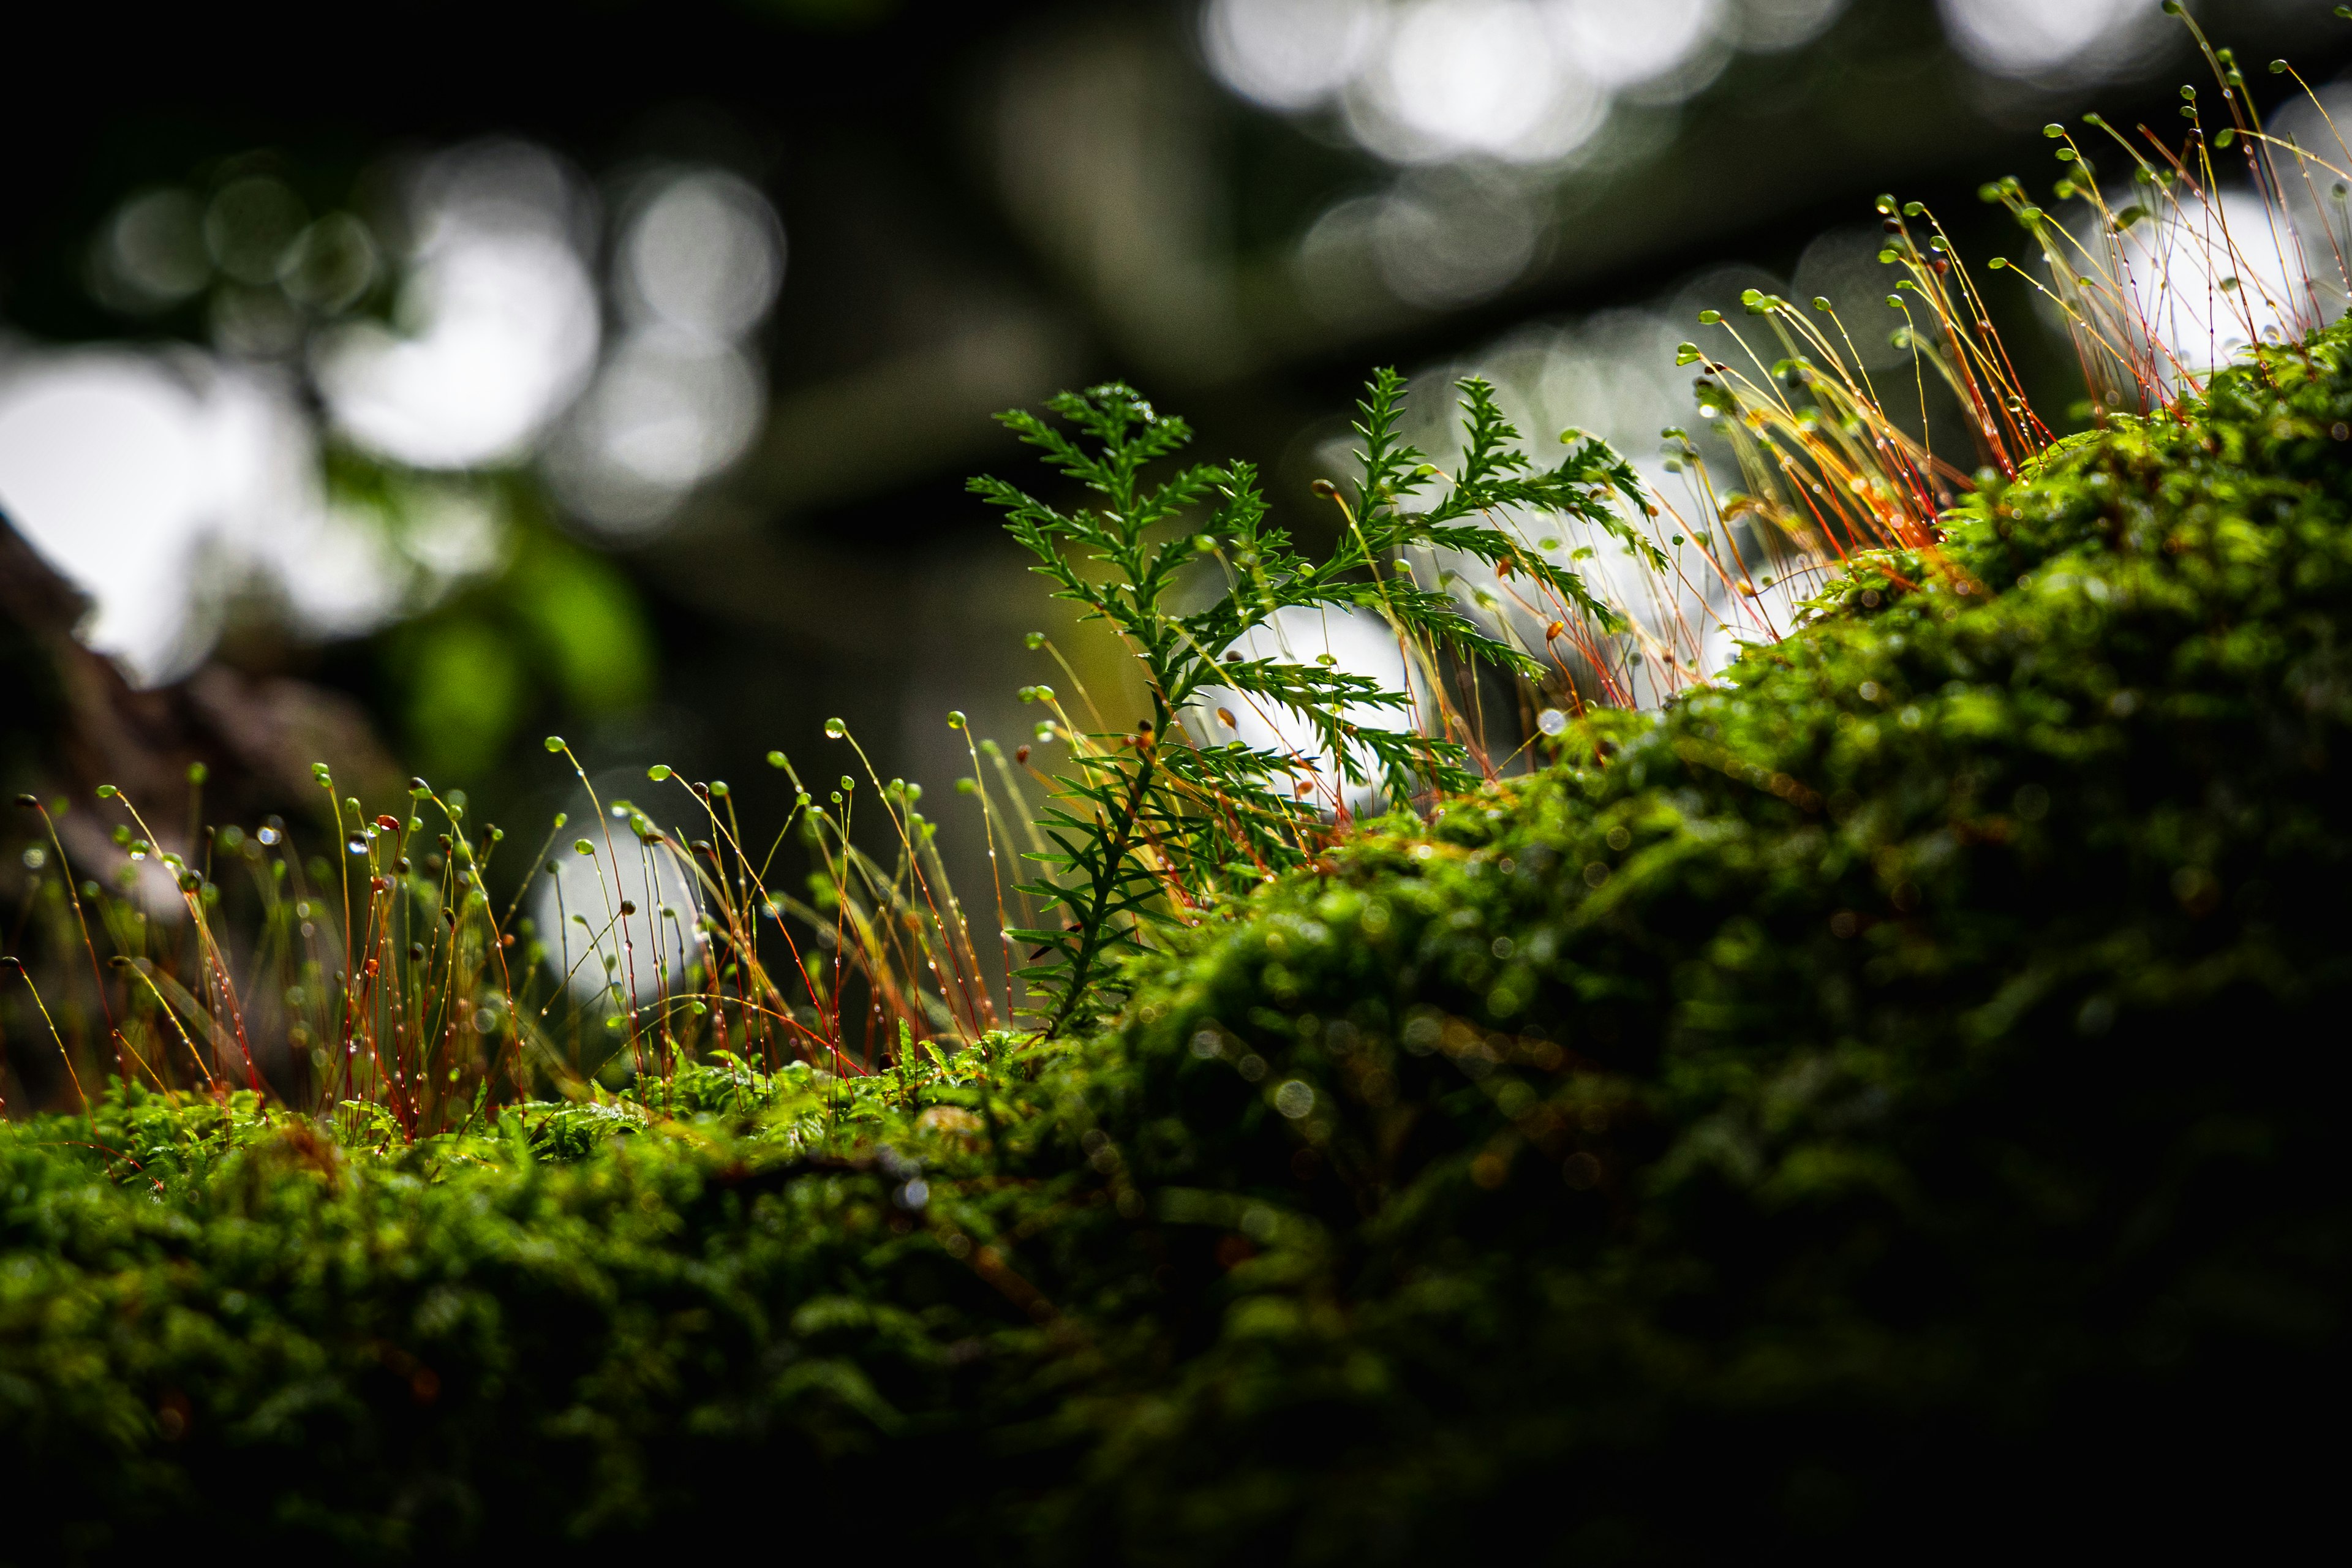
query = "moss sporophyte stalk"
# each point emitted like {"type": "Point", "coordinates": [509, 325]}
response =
{"type": "Point", "coordinates": [1883, 1093]}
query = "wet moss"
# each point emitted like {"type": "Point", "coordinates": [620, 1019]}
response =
{"type": "Point", "coordinates": [1886, 1102]}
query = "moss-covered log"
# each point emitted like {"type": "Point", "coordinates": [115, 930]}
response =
{"type": "Point", "coordinates": [1889, 1101]}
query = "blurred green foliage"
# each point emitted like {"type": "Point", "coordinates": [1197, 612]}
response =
{"type": "Point", "coordinates": [558, 633]}
{"type": "Point", "coordinates": [1886, 1105]}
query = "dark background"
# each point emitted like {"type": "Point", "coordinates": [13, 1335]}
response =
{"type": "Point", "coordinates": [984, 203]}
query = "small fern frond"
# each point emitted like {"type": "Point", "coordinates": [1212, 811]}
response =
{"type": "Point", "coordinates": [1156, 828]}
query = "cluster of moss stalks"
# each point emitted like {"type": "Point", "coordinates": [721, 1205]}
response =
{"type": "Point", "coordinates": [1891, 1102]}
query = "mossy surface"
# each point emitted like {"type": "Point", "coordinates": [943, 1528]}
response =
{"type": "Point", "coordinates": [1883, 1100]}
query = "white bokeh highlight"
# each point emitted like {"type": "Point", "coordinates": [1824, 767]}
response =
{"type": "Point", "coordinates": [2057, 39]}
{"type": "Point", "coordinates": [1357, 642]}
{"type": "Point", "coordinates": [496, 328]}
{"type": "Point", "coordinates": [1461, 78]}
{"type": "Point", "coordinates": [2210, 279]}
{"type": "Point", "coordinates": [1289, 54]}
{"type": "Point", "coordinates": [161, 484]}
{"type": "Point", "coordinates": [682, 392]}
{"type": "Point", "coordinates": [704, 256]}
{"type": "Point", "coordinates": [104, 468]}
{"type": "Point", "coordinates": [594, 948]}
{"type": "Point", "coordinates": [169, 484]}
{"type": "Point", "coordinates": [1497, 97]}
{"type": "Point", "coordinates": [1519, 81]}
{"type": "Point", "coordinates": [1620, 45]}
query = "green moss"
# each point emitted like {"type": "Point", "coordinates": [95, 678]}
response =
{"type": "Point", "coordinates": [1881, 1103]}
{"type": "Point", "coordinates": [221, 1321]}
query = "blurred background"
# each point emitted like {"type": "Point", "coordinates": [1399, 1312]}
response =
{"type": "Point", "coordinates": [407, 385]}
